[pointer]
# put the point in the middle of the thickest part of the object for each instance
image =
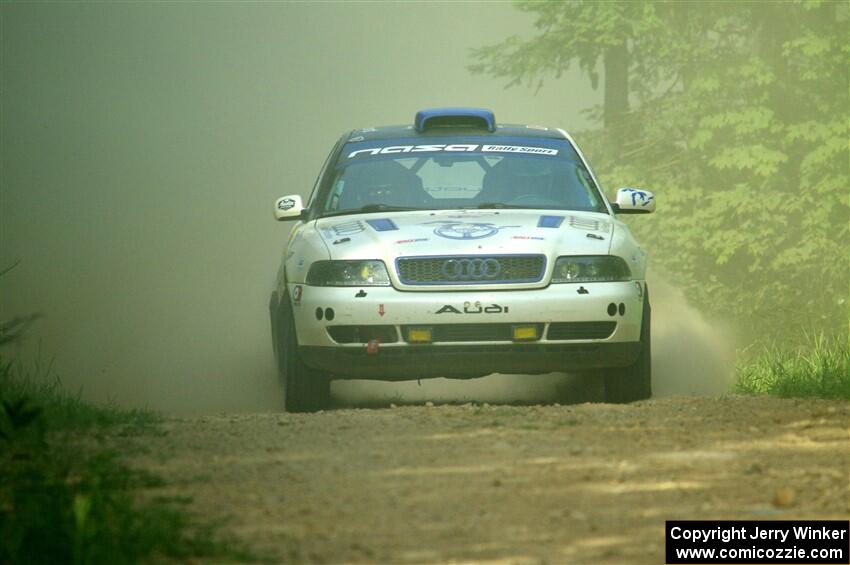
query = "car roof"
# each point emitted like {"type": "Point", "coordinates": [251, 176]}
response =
{"type": "Point", "coordinates": [409, 132]}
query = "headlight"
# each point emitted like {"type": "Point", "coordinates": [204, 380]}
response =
{"type": "Point", "coordinates": [605, 268]}
{"type": "Point", "coordinates": [348, 273]}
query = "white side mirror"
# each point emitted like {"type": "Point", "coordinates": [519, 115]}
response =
{"type": "Point", "coordinates": [288, 207]}
{"type": "Point", "coordinates": [634, 201]}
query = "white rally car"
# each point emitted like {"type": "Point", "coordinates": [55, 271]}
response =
{"type": "Point", "coordinates": [458, 247]}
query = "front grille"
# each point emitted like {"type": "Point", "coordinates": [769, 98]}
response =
{"type": "Point", "coordinates": [471, 332]}
{"type": "Point", "coordinates": [563, 331]}
{"type": "Point", "coordinates": [471, 269]}
{"type": "Point", "coordinates": [362, 334]}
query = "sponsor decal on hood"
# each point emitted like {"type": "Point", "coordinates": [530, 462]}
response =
{"type": "Point", "coordinates": [467, 230]}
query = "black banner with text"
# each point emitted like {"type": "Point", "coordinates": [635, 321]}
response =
{"type": "Point", "coordinates": [819, 542]}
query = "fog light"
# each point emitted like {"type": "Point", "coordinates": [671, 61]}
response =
{"type": "Point", "coordinates": [419, 335]}
{"type": "Point", "coordinates": [525, 333]}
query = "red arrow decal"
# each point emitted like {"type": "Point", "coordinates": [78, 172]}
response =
{"type": "Point", "coordinates": [381, 310]}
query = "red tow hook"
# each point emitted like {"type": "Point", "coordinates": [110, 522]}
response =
{"type": "Point", "coordinates": [373, 347]}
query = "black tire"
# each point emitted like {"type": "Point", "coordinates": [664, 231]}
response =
{"type": "Point", "coordinates": [628, 384]}
{"type": "Point", "coordinates": [304, 389]}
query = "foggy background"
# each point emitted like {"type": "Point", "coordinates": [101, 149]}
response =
{"type": "Point", "coordinates": [143, 146]}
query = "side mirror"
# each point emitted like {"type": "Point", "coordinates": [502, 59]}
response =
{"type": "Point", "coordinates": [634, 201]}
{"type": "Point", "coordinates": [288, 208]}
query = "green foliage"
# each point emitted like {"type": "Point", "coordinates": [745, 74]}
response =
{"type": "Point", "coordinates": [37, 384]}
{"type": "Point", "coordinates": [821, 368]}
{"type": "Point", "coordinates": [63, 500]}
{"type": "Point", "coordinates": [740, 127]}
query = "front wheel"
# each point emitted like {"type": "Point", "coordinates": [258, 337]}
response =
{"type": "Point", "coordinates": [304, 389]}
{"type": "Point", "coordinates": [628, 384]}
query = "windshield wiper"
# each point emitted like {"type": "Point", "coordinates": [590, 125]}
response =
{"type": "Point", "coordinates": [372, 208]}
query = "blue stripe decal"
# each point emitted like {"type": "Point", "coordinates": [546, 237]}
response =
{"type": "Point", "coordinates": [550, 221]}
{"type": "Point", "coordinates": [383, 224]}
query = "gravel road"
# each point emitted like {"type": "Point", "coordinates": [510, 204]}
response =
{"type": "Point", "coordinates": [585, 483]}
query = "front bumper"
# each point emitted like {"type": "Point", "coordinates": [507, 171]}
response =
{"type": "Point", "coordinates": [386, 306]}
{"type": "Point", "coordinates": [466, 361]}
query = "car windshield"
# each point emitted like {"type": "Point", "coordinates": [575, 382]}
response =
{"type": "Point", "coordinates": [453, 174]}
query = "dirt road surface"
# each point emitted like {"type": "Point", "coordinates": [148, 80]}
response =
{"type": "Point", "coordinates": [586, 483]}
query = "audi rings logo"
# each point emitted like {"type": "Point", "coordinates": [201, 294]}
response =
{"type": "Point", "coordinates": [471, 269]}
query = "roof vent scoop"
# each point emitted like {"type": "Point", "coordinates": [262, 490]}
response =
{"type": "Point", "coordinates": [478, 118]}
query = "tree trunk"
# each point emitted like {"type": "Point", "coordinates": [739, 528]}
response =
{"type": "Point", "coordinates": [616, 61]}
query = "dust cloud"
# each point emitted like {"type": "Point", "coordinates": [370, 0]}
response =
{"type": "Point", "coordinates": [142, 148]}
{"type": "Point", "coordinates": [691, 354]}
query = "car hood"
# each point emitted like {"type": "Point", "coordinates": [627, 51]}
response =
{"type": "Point", "coordinates": [390, 235]}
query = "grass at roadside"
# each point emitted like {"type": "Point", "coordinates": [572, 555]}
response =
{"type": "Point", "coordinates": [818, 368]}
{"type": "Point", "coordinates": [61, 409]}
{"type": "Point", "coordinates": [65, 497]}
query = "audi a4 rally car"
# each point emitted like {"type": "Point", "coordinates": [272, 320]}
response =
{"type": "Point", "coordinates": [458, 247]}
